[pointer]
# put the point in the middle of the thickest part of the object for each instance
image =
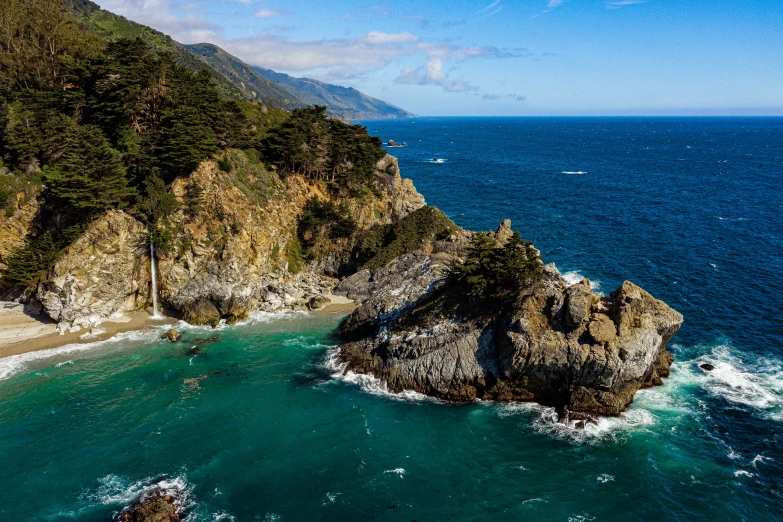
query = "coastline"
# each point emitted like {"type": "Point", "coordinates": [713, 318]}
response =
{"type": "Point", "coordinates": [21, 333]}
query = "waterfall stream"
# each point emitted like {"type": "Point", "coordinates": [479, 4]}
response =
{"type": "Point", "coordinates": [155, 313]}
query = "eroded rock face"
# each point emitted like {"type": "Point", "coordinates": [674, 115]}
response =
{"type": "Point", "coordinates": [13, 230]}
{"type": "Point", "coordinates": [104, 273]}
{"type": "Point", "coordinates": [229, 254]}
{"type": "Point", "coordinates": [557, 345]}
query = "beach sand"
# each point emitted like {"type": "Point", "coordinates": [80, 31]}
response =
{"type": "Point", "coordinates": [338, 304]}
{"type": "Point", "coordinates": [22, 333]}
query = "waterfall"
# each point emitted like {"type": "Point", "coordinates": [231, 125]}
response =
{"type": "Point", "coordinates": [155, 313]}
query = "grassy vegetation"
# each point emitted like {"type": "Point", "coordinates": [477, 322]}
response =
{"type": "Point", "coordinates": [406, 235]}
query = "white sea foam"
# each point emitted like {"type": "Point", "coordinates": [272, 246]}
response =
{"type": "Point", "coordinates": [575, 276]}
{"type": "Point", "coordinates": [605, 477]}
{"type": "Point", "coordinates": [743, 472]}
{"type": "Point", "coordinates": [222, 516]}
{"type": "Point", "coordinates": [544, 421]}
{"type": "Point", "coordinates": [758, 384]}
{"type": "Point", "coordinates": [116, 490]}
{"type": "Point", "coordinates": [760, 459]}
{"type": "Point", "coordinates": [398, 471]}
{"type": "Point", "coordinates": [17, 364]}
{"type": "Point", "coordinates": [574, 172]}
{"type": "Point", "coordinates": [368, 383]}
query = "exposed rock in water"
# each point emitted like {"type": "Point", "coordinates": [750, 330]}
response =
{"type": "Point", "coordinates": [706, 367]}
{"type": "Point", "coordinates": [172, 335]}
{"type": "Point", "coordinates": [155, 505]}
{"type": "Point", "coordinates": [557, 345]}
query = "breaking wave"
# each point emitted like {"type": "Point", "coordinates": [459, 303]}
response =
{"type": "Point", "coordinates": [18, 364]}
{"type": "Point", "coordinates": [368, 383]}
{"type": "Point", "coordinates": [575, 276]}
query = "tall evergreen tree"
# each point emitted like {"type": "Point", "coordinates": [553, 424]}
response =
{"type": "Point", "coordinates": [90, 175]}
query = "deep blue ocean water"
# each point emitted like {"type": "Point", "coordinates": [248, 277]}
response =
{"type": "Point", "coordinates": [690, 209]}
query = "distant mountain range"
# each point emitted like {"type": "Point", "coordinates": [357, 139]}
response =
{"type": "Point", "coordinates": [236, 79]}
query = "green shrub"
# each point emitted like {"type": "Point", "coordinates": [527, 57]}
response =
{"type": "Point", "coordinates": [293, 254]}
{"type": "Point", "coordinates": [406, 235]}
{"type": "Point", "coordinates": [497, 272]}
{"type": "Point", "coordinates": [224, 163]}
{"type": "Point", "coordinates": [323, 219]}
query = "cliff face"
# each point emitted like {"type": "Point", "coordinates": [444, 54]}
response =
{"type": "Point", "coordinates": [104, 273]}
{"type": "Point", "coordinates": [13, 229]}
{"type": "Point", "coordinates": [556, 344]}
{"type": "Point", "coordinates": [232, 242]}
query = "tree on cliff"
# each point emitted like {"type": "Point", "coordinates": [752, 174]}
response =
{"type": "Point", "coordinates": [492, 271]}
{"type": "Point", "coordinates": [89, 176]}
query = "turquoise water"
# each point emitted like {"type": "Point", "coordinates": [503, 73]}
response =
{"type": "Point", "coordinates": [261, 425]}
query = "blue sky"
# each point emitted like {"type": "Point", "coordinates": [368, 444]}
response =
{"type": "Point", "coordinates": [502, 57]}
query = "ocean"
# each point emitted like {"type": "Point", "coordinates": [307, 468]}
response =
{"type": "Point", "coordinates": [262, 426]}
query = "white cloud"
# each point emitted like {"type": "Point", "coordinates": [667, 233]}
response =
{"type": "Point", "coordinates": [336, 59]}
{"type": "Point", "coordinates": [268, 13]}
{"type": "Point", "coordinates": [377, 37]}
{"type": "Point", "coordinates": [622, 3]}
{"type": "Point", "coordinates": [554, 3]}
{"type": "Point", "coordinates": [432, 73]}
{"type": "Point", "coordinates": [489, 7]}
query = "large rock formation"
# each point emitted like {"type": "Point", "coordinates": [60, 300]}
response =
{"type": "Point", "coordinates": [229, 254]}
{"type": "Point", "coordinates": [105, 273]}
{"type": "Point", "coordinates": [557, 344]}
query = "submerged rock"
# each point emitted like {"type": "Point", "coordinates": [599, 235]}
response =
{"type": "Point", "coordinates": [172, 335]}
{"type": "Point", "coordinates": [557, 345]}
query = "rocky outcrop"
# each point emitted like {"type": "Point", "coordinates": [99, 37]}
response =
{"type": "Point", "coordinates": [233, 242]}
{"type": "Point", "coordinates": [105, 273]}
{"type": "Point", "coordinates": [557, 344]}
{"type": "Point", "coordinates": [154, 505]}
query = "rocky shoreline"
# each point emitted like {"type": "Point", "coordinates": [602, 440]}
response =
{"type": "Point", "coordinates": [555, 344]}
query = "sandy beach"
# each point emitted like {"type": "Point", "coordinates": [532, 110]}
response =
{"type": "Point", "coordinates": [22, 333]}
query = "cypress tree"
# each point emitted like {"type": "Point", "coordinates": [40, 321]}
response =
{"type": "Point", "coordinates": [90, 175]}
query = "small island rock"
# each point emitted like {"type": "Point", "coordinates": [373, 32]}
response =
{"type": "Point", "coordinates": [172, 335]}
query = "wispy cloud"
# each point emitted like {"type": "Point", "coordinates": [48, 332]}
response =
{"type": "Point", "coordinates": [492, 9]}
{"type": "Point", "coordinates": [513, 96]}
{"type": "Point", "coordinates": [377, 37]}
{"type": "Point", "coordinates": [555, 3]}
{"type": "Point", "coordinates": [622, 3]}
{"type": "Point", "coordinates": [268, 13]}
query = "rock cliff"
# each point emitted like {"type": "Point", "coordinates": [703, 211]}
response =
{"type": "Point", "coordinates": [556, 344]}
{"type": "Point", "coordinates": [230, 251]}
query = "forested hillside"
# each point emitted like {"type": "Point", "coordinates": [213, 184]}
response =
{"type": "Point", "coordinates": [88, 125]}
{"type": "Point", "coordinates": [236, 79]}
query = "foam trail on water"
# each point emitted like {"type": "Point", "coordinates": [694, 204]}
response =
{"type": "Point", "coordinates": [368, 383]}
{"type": "Point", "coordinates": [739, 380]}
